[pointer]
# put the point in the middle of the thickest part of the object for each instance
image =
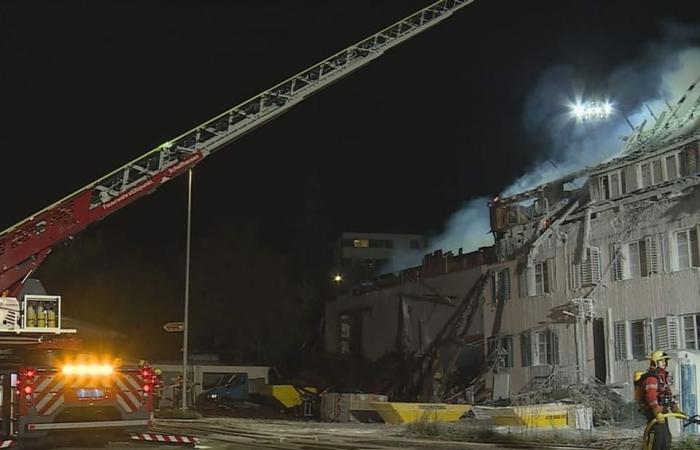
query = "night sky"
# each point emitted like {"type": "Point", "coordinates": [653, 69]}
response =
{"type": "Point", "coordinates": [86, 86]}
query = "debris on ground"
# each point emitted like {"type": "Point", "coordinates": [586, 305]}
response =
{"type": "Point", "coordinates": [609, 408]}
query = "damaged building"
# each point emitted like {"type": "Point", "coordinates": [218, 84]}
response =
{"type": "Point", "coordinates": [416, 316]}
{"type": "Point", "coordinates": [595, 270]}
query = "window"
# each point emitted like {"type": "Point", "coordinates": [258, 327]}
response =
{"type": "Point", "coordinates": [547, 347]}
{"type": "Point", "coordinates": [656, 173]}
{"type": "Point", "coordinates": [638, 331]}
{"type": "Point", "coordinates": [646, 175]}
{"type": "Point", "coordinates": [633, 339]}
{"type": "Point", "coordinates": [691, 331]}
{"type": "Point", "coordinates": [415, 243]}
{"type": "Point", "coordinates": [671, 172]}
{"type": "Point", "coordinates": [611, 185]}
{"type": "Point", "coordinates": [633, 262]}
{"type": "Point", "coordinates": [542, 284]}
{"type": "Point", "coordinates": [687, 248]}
{"type": "Point", "coordinates": [525, 349]}
{"type": "Point", "coordinates": [360, 243]}
{"type": "Point", "coordinates": [641, 258]}
{"type": "Point", "coordinates": [507, 351]}
{"type": "Point", "coordinates": [689, 159]}
{"type": "Point", "coordinates": [501, 285]}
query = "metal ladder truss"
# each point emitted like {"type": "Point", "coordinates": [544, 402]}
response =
{"type": "Point", "coordinates": [24, 245]}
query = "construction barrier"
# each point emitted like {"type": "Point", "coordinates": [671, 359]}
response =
{"type": "Point", "coordinates": [165, 438]}
{"type": "Point", "coordinates": [401, 412]}
{"type": "Point", "coordinates": [7, 443]}
{"type": "Point", "coordinates": [285, 394]}
{"type": "Point", "coordinates": [549, 415]}
{"type": "Point", "coordinates": [345, 407]}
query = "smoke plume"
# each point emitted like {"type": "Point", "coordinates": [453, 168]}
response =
{"type": "Point", "coordinates": [660, 74]}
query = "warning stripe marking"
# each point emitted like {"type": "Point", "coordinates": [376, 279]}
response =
{"type": "Point", "coordinates": [48, 395]}
{"type": "Point", "coordinates": [42, 385]}
{"type": "Point", "coordinates": [59, 401]}
{"type": "Point", "coordinates": [127, 399]}
{"type": "Point", "coordinates": [171, 438]}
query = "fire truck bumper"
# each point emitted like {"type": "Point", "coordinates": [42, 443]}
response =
{"type": "Point", "coordinates": [77, 426]}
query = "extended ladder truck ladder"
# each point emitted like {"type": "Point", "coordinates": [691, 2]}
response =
{"type": "Point", "coordinates": [25, 245]}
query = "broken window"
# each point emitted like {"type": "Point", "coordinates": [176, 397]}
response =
{"type": "Point", "coordinates": [686, 249]}
{"type": "Point", "coordinates": [691, 331]}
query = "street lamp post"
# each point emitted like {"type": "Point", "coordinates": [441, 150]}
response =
{"type": "Point", "coordinates": [187, 291]}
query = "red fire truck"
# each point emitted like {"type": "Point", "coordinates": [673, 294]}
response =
{"type": "Point", "coordinates": [52, 390]}
{"type": "Point", "coordinates": [66, 391]}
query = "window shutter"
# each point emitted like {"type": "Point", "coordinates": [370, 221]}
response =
{"type": "Point", "coordinates": [590, 268]}
{"type": "Point", "coordinates": [666, 333]}
{"type": "Point", "coordinates": [505, 275]}
{"type": "Point", "coordinates": [652, 255]}
{"type": "Point", "coordinates": [545, 276]}
{"type": "Point", "coordinates": [616, 273]}
{"type": "Point", "coordinates": [648, 337]}
{"type": "Point", "coordinates": [621, 341]}
{"type": "Point", "coordinates": [555, 347]}
{"type": "Point", "coordinates": [525, 350]}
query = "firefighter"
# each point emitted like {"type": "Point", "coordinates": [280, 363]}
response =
{"type": "Point", "coordinates": [157, 388]}
{"type": "Point", "coordinates": [657, 401]}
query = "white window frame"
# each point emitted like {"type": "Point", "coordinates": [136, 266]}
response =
{"type": "Point", "coordinates": [694, 329]}
{"type": "Point", "coordinates": [608, 177]}
{"type": "Point", "coordinates": [675, 256]}
{"type": "Point", "coordinates": [542, 340]}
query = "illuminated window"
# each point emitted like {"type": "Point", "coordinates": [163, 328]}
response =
{"type": "Point", "coordinates": [360, 243]}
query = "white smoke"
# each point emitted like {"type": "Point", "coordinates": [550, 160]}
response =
{"type": "Point", "coordinates": [662, 73]}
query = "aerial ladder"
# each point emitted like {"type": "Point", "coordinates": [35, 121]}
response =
{"type": "Point", "coordinates": [25, 245]}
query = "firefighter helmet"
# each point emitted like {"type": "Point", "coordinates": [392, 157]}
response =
{"type": "Point", "coordinates": [657, 356]}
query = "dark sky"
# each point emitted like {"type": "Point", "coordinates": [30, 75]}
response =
{"type": "Point", "coordinates": [86, 86]}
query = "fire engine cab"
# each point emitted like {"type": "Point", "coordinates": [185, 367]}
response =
{"type": "Point", "coordinates": [50, 389]}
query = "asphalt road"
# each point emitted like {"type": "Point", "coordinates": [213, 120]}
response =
{"type": "Point", "coordinates": [244, 434]}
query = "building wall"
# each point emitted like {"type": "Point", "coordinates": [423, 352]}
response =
{"type": "Point", "coordinates": [655, 214]}
{"type": "Point", "coordinates": [381, 314]}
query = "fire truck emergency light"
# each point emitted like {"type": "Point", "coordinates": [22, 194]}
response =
{"type": "Point", "coordinates": [87, 369]}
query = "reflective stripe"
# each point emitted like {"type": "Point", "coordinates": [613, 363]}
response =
{"type": "Point", "coordinates": [78, 425]}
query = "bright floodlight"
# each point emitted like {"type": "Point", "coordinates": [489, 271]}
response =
{"type": "Point", "coordinates": [592, 110]}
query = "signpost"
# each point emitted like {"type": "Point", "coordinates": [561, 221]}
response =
{"type": "Point", "coordinates": [174, 326]}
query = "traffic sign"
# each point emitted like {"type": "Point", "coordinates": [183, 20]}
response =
{"type": "Point", "coordinates": [174, 326]}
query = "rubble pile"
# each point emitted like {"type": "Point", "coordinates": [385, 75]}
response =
{"type": "Point", "coordinates": [608, 406]}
